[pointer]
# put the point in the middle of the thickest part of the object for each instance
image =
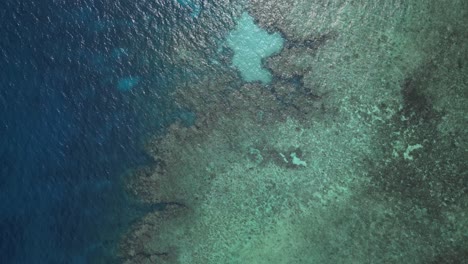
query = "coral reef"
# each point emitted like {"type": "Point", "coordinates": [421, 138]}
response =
{"type": "Point", "coordinates": [354, 153]}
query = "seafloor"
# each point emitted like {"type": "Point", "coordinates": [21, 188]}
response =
{"type": "Point", "coordinates": [338, 136]}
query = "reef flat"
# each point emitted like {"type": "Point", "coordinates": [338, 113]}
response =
{"type": "Point", "coordinates": [355, 152]}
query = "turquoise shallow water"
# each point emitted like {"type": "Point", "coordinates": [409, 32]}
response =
{"type": "Point", "coordinates": [251, 44]}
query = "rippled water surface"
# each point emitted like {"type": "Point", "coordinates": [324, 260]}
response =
{"type": "Point", "coordinates": [82, 83]}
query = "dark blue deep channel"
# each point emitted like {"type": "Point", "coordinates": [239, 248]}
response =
{"type": "Point", "coordinates": [76, 103]}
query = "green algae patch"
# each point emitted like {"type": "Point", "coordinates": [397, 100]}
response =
{"type": "Point", "coordinates": [251, 44]}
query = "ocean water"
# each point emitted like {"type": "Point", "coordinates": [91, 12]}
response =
{"type": "Point", "coordinates": [77, 98]}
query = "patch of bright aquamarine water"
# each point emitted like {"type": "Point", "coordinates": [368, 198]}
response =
{"type": "Point", "coordinates": [127, 83]}
{"type": "Point", "coordinates": [251, 44]}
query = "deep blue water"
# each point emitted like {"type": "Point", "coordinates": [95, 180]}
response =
{"type": "Point", "coordinates": [76, 103]}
